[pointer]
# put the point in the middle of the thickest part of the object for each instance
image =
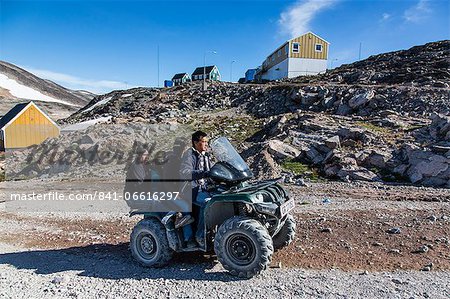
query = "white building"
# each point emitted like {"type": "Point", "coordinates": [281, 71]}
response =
{"type": "Point", "coordinates": [301, 56]}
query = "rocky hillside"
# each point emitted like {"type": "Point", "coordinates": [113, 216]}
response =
{"type": "Point", "coordinates": [17, 85]}
{"type": "Point", "coordinates": [412, 82]}
{"type": "Point", "coordinates": [425, 65]}
{"type": "Point", "coordinates": [367, 128]}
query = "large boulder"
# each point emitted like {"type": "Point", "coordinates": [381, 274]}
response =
{"type": "Point", "coordinates": [282, 150]}
{"type": "Point", "coordinates": [333, 142]}
{"type": "Point", "coordinates": [361, 99]}
{"type": "Point", "coordinates": [426, 166]}
{"type": "Point", "coordinates": [440, 127]}
{"type": "Point", "coordinates": [314, 156]}
{"type": "Point", "coordinates": [378, 159]}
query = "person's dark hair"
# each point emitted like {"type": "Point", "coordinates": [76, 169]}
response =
{"type": "Point", "coordinates": [197, 136]}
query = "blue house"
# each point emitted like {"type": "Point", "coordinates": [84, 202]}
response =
{"type": "Point", "coordinates": [168, 83]}
{"type": "Point", "coordinates": [250, 75]}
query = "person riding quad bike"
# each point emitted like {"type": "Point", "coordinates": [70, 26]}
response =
{"type": "Point", "coordinates": [244, 221]}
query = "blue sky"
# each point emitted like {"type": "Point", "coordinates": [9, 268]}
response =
{"type": "Point", "coordinates": [105, 45]}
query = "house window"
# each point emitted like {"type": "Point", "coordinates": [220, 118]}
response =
{"type": "Point", "coordinates": [295, 47]}
{"type": "Point", "coordinates": [286, 49]}
{"type": "Point", "coordinates": [318, 48]}
{"type": "Point", "coordinates": [273, 58]}
{"type": "Point", "coordinates": [279, 53]}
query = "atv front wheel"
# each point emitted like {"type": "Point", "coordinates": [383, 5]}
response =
{"type": "Point", "coordinates": [243, 246]}
{"type": "Point", "coordinates": [286, 234]}
{"type": "Point", "coordinates": [149, 245]}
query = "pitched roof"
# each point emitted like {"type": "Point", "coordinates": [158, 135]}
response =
{"type": "Point", "coordinates": [179, 76]}
{"type": "Point", "coordinates": [289, 40]}
{"type": "Point", "coordinates": [199, 70]}
{"type": "Point", "coordinates": [12, 113]}
{"type": "Point", "coordinates": [308, 33]}
{"type": "Point", "coordinates": [19, 109]}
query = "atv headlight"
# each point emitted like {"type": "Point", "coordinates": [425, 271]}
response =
{"type": "Point", "coordinates": [266, 208]}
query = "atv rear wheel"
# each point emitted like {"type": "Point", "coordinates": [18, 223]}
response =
{"type": "Point", "coordinates": [243, 246]}
{"type": "Point", "coordinates": [286, 234]}
{"type": "Point", "coordinates": [149, 245]}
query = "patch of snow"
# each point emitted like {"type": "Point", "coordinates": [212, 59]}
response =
{"type": "Point", "coordinates": [85, 92]}
{"type": "Point", "coordinates": [24, 92]}
{"type": "Point", "coordinates": [127, 95]}
{"type": "Point", "coordinates": [102, 102]}
{"type": "Point", "coordinates": [85, 124]}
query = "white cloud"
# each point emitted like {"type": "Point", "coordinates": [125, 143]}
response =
{"type": "Point", "coordinates": [384, 17]}
{"type": "Point", "coordinates": [296, 19]}
{"type": "Point", "coordinates": [418, 12]}
{"type": "Point", "coordinates": [73, 82]}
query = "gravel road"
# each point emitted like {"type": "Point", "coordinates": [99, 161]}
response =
{"type": "Point", "coordinates": [91, 273]}
{"type": "Point", "coordinates": [85, 255]}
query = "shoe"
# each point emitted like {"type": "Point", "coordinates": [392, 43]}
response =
{"type": "Point", "coordinates": [183, 220]}
{"type": "Point", "coordinates": [200, 242]}
{"type": "Point", "coordinates": [191, 244]}
{"type": "Point", "coordinates": [165, 220]}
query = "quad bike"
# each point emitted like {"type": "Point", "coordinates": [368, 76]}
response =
{"type": "Point", "coordinates": [244, 221]}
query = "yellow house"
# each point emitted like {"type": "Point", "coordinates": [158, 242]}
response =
{"type": "Point", "coordinates": [24, 125]}
{"type": "Point", "coordinates": [300, 56]}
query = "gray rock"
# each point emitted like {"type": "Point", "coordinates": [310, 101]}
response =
{"type": "Point", "coordinates": [432, 218]}
{"type": "Point", "coordinates": [394, 230]}
{"type": "Point", "coordinates": [282, 150]}
{"type": "Point", "coordinates": [301, 182]}
{"type": "Point", "coordinates": [396, 281]}
{"type": "Point", "coordinates": [422, 249]}
{"type": "Point", "coordinates": [333, 142]}
{"type": "Point", "coordinates": [427, 267]}
{"type": "Point", "coordinates": [361, 99]}
{"type": "Point", "coordinates": [378, 159]}
{"type": "Point", "coordinates": [314, 156]}
{"type": "Point", "coordinates": [343, 109]}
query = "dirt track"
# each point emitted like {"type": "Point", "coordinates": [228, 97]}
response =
{"type": "Point", "coordinates": [358, 217]}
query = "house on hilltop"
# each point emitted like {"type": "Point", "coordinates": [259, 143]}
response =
{"type": "Point", "coordinates": [181, 78]}
{"type": "Point", "coordinates": [24, 125]}
{"type": "Point", "coordinates": [301, 56]}
{"type": "Point", "coordinates": [212, 73]}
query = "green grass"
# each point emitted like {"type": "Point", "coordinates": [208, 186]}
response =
{"type": "Point", "coordinates": [298, 168]}
{"type": "Point", "coordinates": [373, 128]}
{"type": "Point", "coordinates": [237, 129]}
{"type": "Point", "coordinates": [412, 128]}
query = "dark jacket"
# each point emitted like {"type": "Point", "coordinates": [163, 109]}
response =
{"type": "Point", "coordinates": [190, 170]}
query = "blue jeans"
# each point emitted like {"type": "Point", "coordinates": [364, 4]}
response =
{"type": "Point", "coordinates": [187, 230]}
{"type": "Point", "coordinates": [202, 198]}
{"type": "Point", "coordinates": [188, 233]}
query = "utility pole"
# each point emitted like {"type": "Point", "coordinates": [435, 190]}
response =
{"type": "Point", "coordinates": [204, 71]}
{"type": "Point", "coordinates": [158, 64]}
{"type": "Point", "coordinates": [204, 67]}
{"type": "Point", "coordinates": [231, 70]}
{"type": "Point", "coordinates": [360, 46]}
